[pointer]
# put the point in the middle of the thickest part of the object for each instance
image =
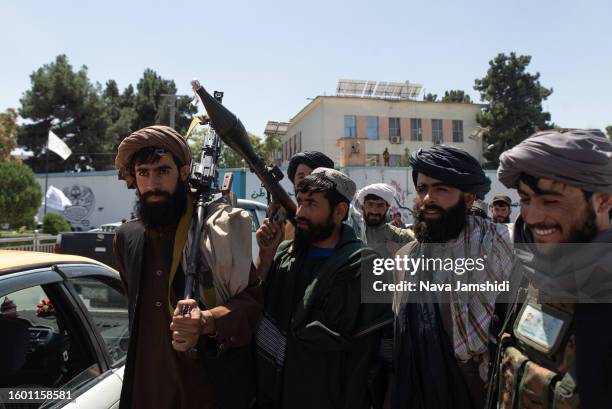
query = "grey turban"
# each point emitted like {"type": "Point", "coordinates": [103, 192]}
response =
{"type": "Point", "coordinates": [577, 157]}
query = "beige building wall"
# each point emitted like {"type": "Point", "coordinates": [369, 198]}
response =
{"type": "Point", "coordinates": [321, 124]}
{"type": "Point", "coordinates": [309, 130]}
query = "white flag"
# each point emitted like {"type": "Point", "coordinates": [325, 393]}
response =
{"type": "Point", "coordinates": [55, 144]}
{"type": "Point", "coordinates": [56, 199]}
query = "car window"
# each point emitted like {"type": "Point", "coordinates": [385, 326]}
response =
{"type": "Point", "coordinates": [42, 343]}
{"type": "Point", "coordinates": [108, 310]}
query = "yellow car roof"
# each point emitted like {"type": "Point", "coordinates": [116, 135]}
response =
{"type": "Point", "coordinates": [15, 259]}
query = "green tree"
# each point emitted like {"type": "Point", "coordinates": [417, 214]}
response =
{"type": "Point", "coordinates": [405, 158]}
{"type": "Point", "coordinates": [66, 102]}
{"type": "Point", "coordinates": [430, 97]}
{"type": "Point", "coordinates": [514, 104]}
{"type": "Point", "coordinates": [456, 95]}
{"type": "Point", "coordinates": [152, 103]}
{"type": "Point", "coordinates": [8, 128]}
{"type": "Point", "coordinates": [229, 157]}
{"type": "Point", "coordinates": [271, 147]}
{"type": "Point", "coordinates": [54, 223]}
{"type": "Point", "coordinates": [120, 111]}
{"type": "Point", "coordinates": [20, 193]}
{"type": "Point", "coordinates": [609, 131]}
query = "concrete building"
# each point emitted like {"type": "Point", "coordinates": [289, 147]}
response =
{"type": "Point", "coordinates": [355, 126]}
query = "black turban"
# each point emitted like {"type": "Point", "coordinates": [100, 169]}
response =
{"type": "Point", "coordinates": [453, 166]}
{"type": "Point", "coordinates": [579, 158]}
{"type": "Point", "coordinates": [312, 159]}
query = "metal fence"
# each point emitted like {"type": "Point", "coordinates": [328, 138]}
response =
{"type": "Point", "coordinates": [44, 243]}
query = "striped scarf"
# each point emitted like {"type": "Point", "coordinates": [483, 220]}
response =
{"type": "Point", "coordinates": [472, 312]}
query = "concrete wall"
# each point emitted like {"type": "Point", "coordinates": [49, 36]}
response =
{"type": "Point", "coordinates": [99, 197]}
{"type": "Point", "coordinates": [312, 130]}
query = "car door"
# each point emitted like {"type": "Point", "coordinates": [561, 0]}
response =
{"type": "Point", "coordinates": [47, 342]}
{"type": "Point", "coordinates": [99, 295]}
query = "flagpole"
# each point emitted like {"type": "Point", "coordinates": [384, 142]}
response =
{"type": "Point", "coordinates": [46, 176]}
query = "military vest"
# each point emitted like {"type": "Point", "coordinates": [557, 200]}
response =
{"type": "Point", "coordinates": [536, 366]}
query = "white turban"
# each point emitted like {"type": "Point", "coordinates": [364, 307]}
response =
{"type": "Point", "coordinates": [382, 190]}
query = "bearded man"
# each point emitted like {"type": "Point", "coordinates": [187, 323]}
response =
{"type": "Point", "coordinates": [385, 238]}
{"type": "Point", "coordinates": [162, 368]}
{"type": "Point", "coordinates": [317, 342]}
{"type": "Point", "coordinates": [557, 337]}
{"type": "Point", "coordinates": [441, 354]}
{"type": "Point", "coordinates": [500, 209]}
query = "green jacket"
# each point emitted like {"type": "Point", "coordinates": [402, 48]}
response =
{"type": "Point", "coordinates": [316, 346]}
{"type": "Point", "coordinates": [387, 239]}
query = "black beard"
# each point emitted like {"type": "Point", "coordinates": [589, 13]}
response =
{"type": "Point", "coordinates": [169, 211]}
{"type": "Point", "coordinates": [582, 235]}
{"type": "Point", "coordinates": [373, 223]}
{"type": "Point", "coordinates": [503, 220]}
{"type": "Point", "coordinates": [313, 233]}
{"type": "Point", "coordinates": [588, 230]}
{"type": "Point", "coordinates": [447, 227]}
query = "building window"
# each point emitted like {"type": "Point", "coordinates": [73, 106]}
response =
{"type": "Point", "coordinates": [299, 141]}
{"type": "Point", "coordinates": [457, 131]}
{"type": "Point", "coordinates": [416, 129]}
{"type": "Point", "coordinates": [295, 144]}
{"type": "Point", "coordinates": [372, 130]}
{"type": "Point", "coordinates": [350, 126]}
{"type": "Point", "coordinates": [395, 160]}
{"type": "Point", "coordinates": [394, 130]}
{"type": "Point", "coordinates": [372, 159]}
{"type": "Point", "coordinates": [436, 131]}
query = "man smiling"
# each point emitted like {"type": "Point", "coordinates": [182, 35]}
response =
{"type": "Point", "coordinates": [441, 354]}
{"type": "Point", "coordinates": [385, 238]}
{"type": "Point", "coordinates": [563, 236]}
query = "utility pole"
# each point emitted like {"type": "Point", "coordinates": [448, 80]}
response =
{"type": "Point", "coordinates": [171, 98]}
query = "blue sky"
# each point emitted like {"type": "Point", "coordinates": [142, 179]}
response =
{"type": "Point", "coordinates": [269, 56]}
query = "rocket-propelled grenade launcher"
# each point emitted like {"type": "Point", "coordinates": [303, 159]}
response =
{"type": "Point", "coordinates": [232, 133]}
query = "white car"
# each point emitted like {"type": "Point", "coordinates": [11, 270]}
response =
{"type": "Point", "coordinates": [63, 326]}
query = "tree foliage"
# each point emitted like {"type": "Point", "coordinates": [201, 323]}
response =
{"type": "Point", "coordinates": [514, 104]}
{"type": "Point", "coordinates": [8, 128]}
{"type": "Point", "coordinates": [92, 119]}
{"type": "Point", "coordinates": [429, 97]}
{"type": "Point", "coordinates": [229, 157]}
{"type": "Point", "coordinates": [20, 193]}
{"type": "Point", "coordinates": [54, 223]}
{"type": "Point", "coordinates": [65, 101]}
{"type": "Point", "coordinates": [609, 131]}
{"type": "Point", "coordinates": [456, 95]}
{"type": "Point", "coordinates": [152, 103]}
